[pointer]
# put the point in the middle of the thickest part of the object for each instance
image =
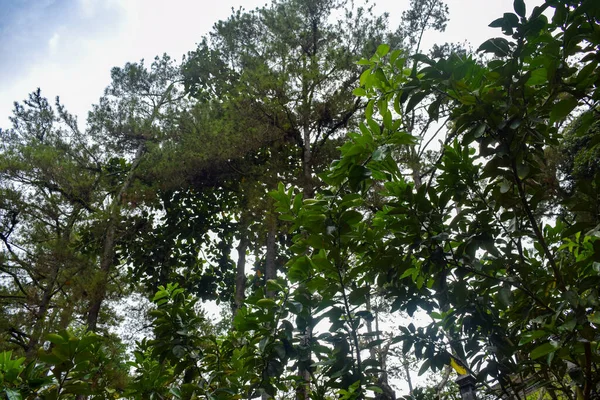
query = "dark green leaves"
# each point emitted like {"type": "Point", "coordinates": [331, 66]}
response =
{"type": "Point", "coordinates": [544, 350]}
{"type": "Point", "coordinates": [519, 6]}
{"type": "Point", "coordinates": [508, 22]}
{"type": "Point", "coordinates": [563, 108]}
{"type": "Point", "coordinates": [500, 47]}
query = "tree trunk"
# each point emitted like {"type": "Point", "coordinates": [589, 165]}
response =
{"type": "Point", "coordinates": [407, 372]}
{"type": "Point", "coordinates": [107, 259]}
{"type": "Point", "coordinates": [306, 163]}
{"type": "Point", "coordinates": [50, 290]}
{"type": "Point", "coordinates": [40, 315]}
{"type": "Point", "coordinates": [270, 265]}
{"type": "Point", "coordinates": [240, 271]}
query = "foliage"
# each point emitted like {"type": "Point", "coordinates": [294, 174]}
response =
{"type": "Point", "coordinates": [494, 236]}
{"type": "Point", "coordinates": [49, 186]}
{"type": "Point", "coordinates": [72, 366]}
{"type": "Point", "coordinates": [511, 292]}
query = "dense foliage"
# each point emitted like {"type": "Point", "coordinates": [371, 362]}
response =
{"type": "Point", "coordinates": [302, 146]}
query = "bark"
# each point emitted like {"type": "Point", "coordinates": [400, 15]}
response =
{"type": "Point", "coordinates": [303, 389]}
{"type": "Point", "coordinates": [270, 265]}
{"type": "Point", "coordinates": [32, 345]}
{"type": "Point", "coordinates": [306, 162]}
{"type": "Point", "coordinates": [107, 259]}
{"type": "Point", "coordinates": [382, 380]}
{"type": "Point", "coordinates": [240, 272]}
{"type": "Point", "coordinates": [440, 386]}
{"type": "Point", "coordinates": [407, 372]}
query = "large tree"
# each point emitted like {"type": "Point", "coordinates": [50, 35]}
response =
{"type": "Point", "coordinates": [49, 180]}
{"type": "Point", "coordinates": [284, 74]}
{"type": "Point", "coordinates": [510, 285]}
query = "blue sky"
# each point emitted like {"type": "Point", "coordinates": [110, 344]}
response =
{"type": "Point", "coordinates": [67, 47]}
{"type": "Point", "coordinates": [32, 30]}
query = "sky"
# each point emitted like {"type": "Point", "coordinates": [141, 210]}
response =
{"type": "Point", "coordinates": [67, 47]}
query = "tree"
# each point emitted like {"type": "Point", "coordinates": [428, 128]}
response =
{"type": "Point", "coordinates": [49, 182]}
{"type": "Point", "coordinates": [134, 115]}
{"type": "Point", "coordinates": [512, 293]}
{"type": "Point", "coordinates": [285, 73]}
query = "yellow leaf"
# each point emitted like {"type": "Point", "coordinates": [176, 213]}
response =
{"type": "Point", "coordinates": [457, 367]}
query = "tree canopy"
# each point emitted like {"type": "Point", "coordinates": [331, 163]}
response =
{"type": "Point", "coordinates": [361, 208]}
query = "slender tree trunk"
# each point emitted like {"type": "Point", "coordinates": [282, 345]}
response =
{"type": "Point", "coordinates": [303, 389]}
{"type": "Point", "coordinates": [372, 349]}
{"type": "Point", "coordinates": [306, 162]}
{"type": "Point", "coordinates": [380, 354]}
{"type": "Point", "coordinates": [107, 259]}
{"type": "Point", "coordinates": [407, 372]}
{"type": "Point", "coordinates": [240, 272]}
{"type": "Point", "coordinates": [270, 265]}
{"type": "Point", "coordinates": [40, 316]}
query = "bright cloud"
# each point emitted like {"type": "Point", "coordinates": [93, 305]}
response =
{"type": "Point", "coordinates": [53, 42]}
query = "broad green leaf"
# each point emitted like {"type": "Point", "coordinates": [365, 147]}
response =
{"type": "Point", "coordinates": [383, 50]}
{"type": "Point", "coordinates": [528, 337]}
{"type": "Point", "coordinates": [543, 350]}
{"type": "Point", "coordinates": [520, 9]}
{"type": "Point", "coordinates": [12, 394]}
{"type": "Point", "coordinates": [498, 46]}
{"type": "Point", "coordinates": [375, 389]}
{"type": "Point", "coordinates": [522, 170]}
{"type": "Point", "coordinates": [594, 318]}
{"type": "Point", "coordinates": [538, 77]}
{"type": "Point", "coordinates": [414, 100]}
{"type": "Point", "coordinates": [563, 108]}
{"type": "Point", "coordinates": [273, 286]}
{"type": "Point", "coordinates": [424, 367]}
{"type": "Point", "coordinates": [266, 303]}
{"type": "Point", "coordinates": [359, 91]}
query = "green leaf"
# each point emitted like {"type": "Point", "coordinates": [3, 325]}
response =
{"type": "Point", "coordinates": [563, 108]}
{"type": "Point", "coordinates": [594, 318]}
{"type": "Point", "coordinates": [528, 337]}
{"type": "Point", "coordinates": [56, 339]}
{"type": "Point", "coordinates": [414, 100]}
{"type": "Point", "coordinates": [375, 389]}
{"type": "Point", "coordinates": [479, 130]}
{"type": "Point", "coordinates": [402, 138]}
{"type": "Point", "coordinates": [523, 170]}
{"type": "Point", "coordinates": [266, 303]}
{"type": "Point", "coordinates": [369, 110]}
{"type": "Point", "coordinates": [273, 286]}
{"type": "Point", "coordinates": [12, 394]}
{"type": "Point", "coordinates": [497, 23]}
{"type": "Point", "coordinates": [382, 50]}
{"type": "Point", "coordinates": [498, 46]}
{"type": "Point", "coordinates": [359, 91]}
{"type": "Point", "coordinates": [520, 9]}
{"type": "Point", "coordinates": [358, 295]}
{"type": "Point", "coordinates": [351, 217]}
{"type": "Point", "coordinates": [380, 153]}
{"type": "Point", "coordinates": [538, 77]}
{"type": "Point", "coordinates": [543, 350]}
{"type": "Point", "coordinates": [424, 367]}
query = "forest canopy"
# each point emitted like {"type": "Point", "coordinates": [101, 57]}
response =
{"type": "Point", "coordinates": [362, 210]}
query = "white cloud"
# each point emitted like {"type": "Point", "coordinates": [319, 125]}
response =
{"type": "Point", "coordinates": [54, 42]}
